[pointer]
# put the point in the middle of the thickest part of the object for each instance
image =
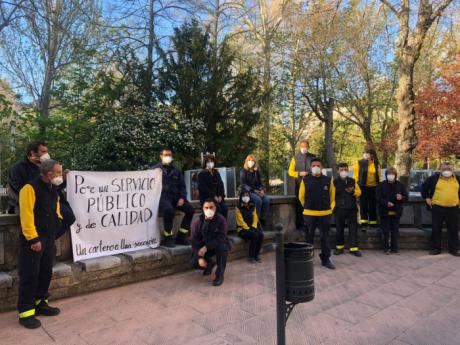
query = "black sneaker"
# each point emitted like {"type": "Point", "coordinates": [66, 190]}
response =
{"type": "Point", "coordinates": [395, 252]}
{"type": "Point", "coordinates": [182, 241]}
{"type": "Point", "coordinates": [168, 242]}
{"type": "Point", "coordinates": [338, 251]}
{"type": "Point", "coordinates": [328, 264]}
{"type": "Point", "coordinates": [208, 270]}
{"type": "Point", "coordinates": [252, 260]}
{"type": "Point", "coordinates": [386, 252]}
{"type": "Point", "coordinates": [218, 281]}
{"type": "Point", "coordinates": [435, 252]}
{"type": "Point", "coordinates": [30, 322]}
{"type": "Point", "coordinates": [43, 308]}
{"type": "Point", "coordinates": [258, 259]}
{"type": "Point", "coordinates": [454, 253]}
{"type": "Point", "coordinates": [356, 253]}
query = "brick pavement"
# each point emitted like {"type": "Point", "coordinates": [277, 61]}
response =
{"type": "Point", "coordinates": [409, 299]}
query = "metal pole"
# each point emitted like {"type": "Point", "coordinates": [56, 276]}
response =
{"type": "Point", "coordinates": [280, 286]}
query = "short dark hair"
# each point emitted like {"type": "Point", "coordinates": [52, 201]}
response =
{"type": "Point", "coordinates": [48, 166]}
{"type": "Point", "coordinates": [166, 148]}
{"type": "Point", "coordinates": [209, 200]}
{"type": "Point", "coordinates": [34, 146]}
{"type": "Point", "coordinates": [342, 165]}
{"type": "Point", "coordinates": [316, 160]}
{"type": "Point", "coordinates": [207, 158]}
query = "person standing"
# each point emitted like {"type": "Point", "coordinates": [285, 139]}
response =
{"type": "Point", "coordinates": [250, 180]}
{"type": "Point", "coordinates": [247, 226]}
{"type": "Point", "coordinates": [391, 194]}
{"type": "Point", "coordinates": [209, 238]}
{"type": "Point", "coordinates": [211, 186]}
{"type": "Point", "coordinates": [346, 211]}
{"type": "Point", "coordinates": [442, 193]}
{"type": "Point", "coordinates": [40, 220]}
{"type": "Point", "coordinates": [298, 168]}
{"type": "Point", "coordinates": [317, 196]}
{"type": "Point", "coordinates": [173, 196]}
{"type": "Point", "coordinates": [368, 174]}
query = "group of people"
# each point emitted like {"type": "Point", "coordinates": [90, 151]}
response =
{"type": "Point", "coordinates": [36, 186]}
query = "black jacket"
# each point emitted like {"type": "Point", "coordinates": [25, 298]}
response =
{"type": "Point", "coordinates": [343, 199]}
{"type": "Point", "coordinates": [173, 183]}
{"type": "Point", "coordinates": [210, 185]}
{"type": "Point", "coordinates": [429, 186]}
{"type": "Point", "coordinates": [250, 180]}
{"type": "Point", "coordinates": [386, 192]}
{"type": "Point", "coordinates": [210, 233]}
{"type": "Point", "coordinates": [19, 174]}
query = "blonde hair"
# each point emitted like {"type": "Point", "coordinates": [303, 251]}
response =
{"type": "Point", "coordinates": [250, 157]}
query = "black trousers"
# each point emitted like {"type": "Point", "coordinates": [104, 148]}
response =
{"type": "Point", "coordinates": [349, 217]}
{"type": "Point", "coordinates": [298, 207]}
{"type": "Point", "coordinates": [221, 254]}
{"type": "Point", "coordinates": [255, 238]}
{"type": "Point", "coordinates": [439, 215]}
{"type": "Point", "coordinates": [35, 271]}
{"type": "Point", "coordinates": [68, 218]}
{"type": "Point", "coordinates": [168, 208]}
{"type": "Point", "coordinates": [368, 204]}
{"type": "Point", "coordinates": [390, 226]}
{"type": "Point", "coordinates": [323, 224]}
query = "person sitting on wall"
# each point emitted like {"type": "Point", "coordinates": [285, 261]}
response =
{"type": "Point", "coordinates": [173, 197]}
{"type": "Point", "coordinates": [247, 225]}
{"type": "Point", "coordinates": [209, 238]}
{"type": "Point", "coordinates": [210, 185]}
{"type": "Point", "coordinates": [27, 170]}
{"type": "Point", "coordinates": [250, 180]}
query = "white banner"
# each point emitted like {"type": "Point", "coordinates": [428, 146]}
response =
{"type": "Point", "coordinates": [115, 212]}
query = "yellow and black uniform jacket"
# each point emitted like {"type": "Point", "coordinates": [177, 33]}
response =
{"type": "Point", "coordinates": [367, 173]}
{"type": "Point", "coordinates": [300, 162]}
{"type": "Point", "coordinates": [317, 195]}
{"type": "Point", "coordinates": [39, 211]}
{"type": "Point", "coordinates": [344, 199]}
{"type": "Point", "coordinates": [246, 217]}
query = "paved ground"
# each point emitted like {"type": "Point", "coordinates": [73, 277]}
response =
{"type": "Point", "coordinates": [409, 299]}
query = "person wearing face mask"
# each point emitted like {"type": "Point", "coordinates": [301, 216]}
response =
{"type": "Point", "coordinates": [317, 196]}
{"type": "Point", "coordinates": [298, 168]}
{"type": "Point", "coordinates": [346, 211]}
{"type": "Point", "coordinates": [442, 193]}
{"type": "Point", "coordinates": [40, 219]}
{"type": "Point", "coordinates": [173, 197]}
{"type": "Point", "coordinates": [27, 170]}
{"type": "Point", "coordinates": [250, 180]}
{"type": "Point", "coordinates": [368, 174]}
{"type": "Point", "coordinates": [209, 239]}
{"type": "Point", "coordinates": [391, 194]}
{"type": "Point", "coordinates": [247, 226]}
{"type": "Point", "coordinates": [210, 185]}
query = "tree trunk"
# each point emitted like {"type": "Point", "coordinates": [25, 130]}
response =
{"type": "Point", "coordinates": [264, 142]}
{"type": "Point", "coordinates": [328, 114]}
{"type": "Point", "coordinates": [150, 45]}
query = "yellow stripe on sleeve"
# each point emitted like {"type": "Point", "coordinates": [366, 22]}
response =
{"type": "Point", "coordinates": [26, 212]}
{"type": "Point", "coordinates": [292, 172]}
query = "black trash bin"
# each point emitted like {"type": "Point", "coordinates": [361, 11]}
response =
{"type": "Point", "coordinates": [300, 286]}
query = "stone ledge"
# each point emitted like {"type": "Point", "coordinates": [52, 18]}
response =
{"type": "Point", "coordinates": [156, 254]}
{"type": "Point", "coordinates": [61, 270]}
{"type": "Point", "coordinates": [6, 280]}
{"type": "Point", "coordinates": [101, 263]}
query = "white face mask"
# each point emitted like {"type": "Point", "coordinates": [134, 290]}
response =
{"type": "Point", "coordinates": [245, 199]}
{"type": "Point", "coordinates": [343, 174]}
{"type": "Point", "coordinates": [58, 180]}
{"type": "Point", "coordinates": [210, 165]}
{"type": "Point", "coordinates": [251, 164]}
{"type": "Point", "coordinates": [447, 173]}
{"type": "Point", "coordinates": [391, 178]}
{"type": "Point", "coordinates": [166, 160]}
{"type": "Point", "coordinates": [316, 170]}
{"type": "Point", "coordinates": [366, 155]}
{"type": "Point", "coordinates": [208, 213]}
{"type": "Point", "coordinates": [304, 150]}
{"type": "Point", "coordinates": [45, 157]}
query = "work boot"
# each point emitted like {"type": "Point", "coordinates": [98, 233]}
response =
{"type": "Point", "coordinates": [252, 260]}
{"type": "Point", "coordinates": [43, 308]}
{"type": "Point", "coordinates": [328, 264]}
{"type": "Point", "coordinates": [208, 270]}
{"type": "Point", "coordinates": [356, 253]}
{"type": "Point", "coordinates": [258, 259]}
{"type": "Point", "coordinates": [435, 251]}
{"type": "Point", "coordinates": [338, 251]}
{"type": "Point", "coordinates": [182, 240]}
{"type": "Point", "coordinates": [168, 242]}
{"type": "Point", "coordinates": [456, 253]}
{"type": "Point", "coordinates": [30, 322]}
{"type": "Point", "coordinates": [219, 280]}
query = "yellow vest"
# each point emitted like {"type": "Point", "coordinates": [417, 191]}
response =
{"type": "Point", "coordinates": [446, 192]}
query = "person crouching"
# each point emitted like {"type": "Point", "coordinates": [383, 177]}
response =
{"type": "Point", "coordinates": [209, 238]}
{"type": "Point", "coordinates": [247, 225]}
